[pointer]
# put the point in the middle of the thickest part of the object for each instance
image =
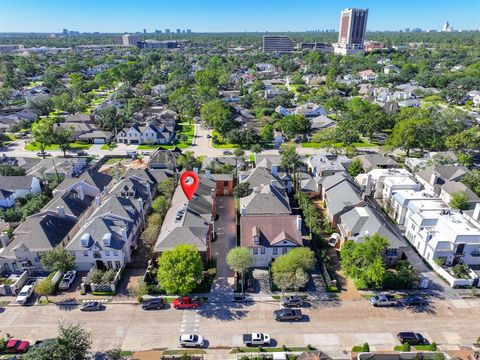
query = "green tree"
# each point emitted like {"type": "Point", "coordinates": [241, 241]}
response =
{"type": "Point", "coordinates": [266, 133]}
{"type": "Point", "coordinates": [160, 205]}
{"type": "Point", "coordinates": [363, 261]}
{"type": "Point", "coordinates": [289, 270]}
{"type": "Point", "coordinates": [218, 115]}
{"type": "Point", "coordinates": [460, 201]}
{"type": "Point", "coordinates": [45, 287]}
{"type": "Point", "coordinates": [58, 259]}
{"type": "Point", "coordinates": [188, 161]}
{"type": "Point", "coordinates": [72, 343]}
{"type": "Point", "coordinates": [180, 270]}
{"type": "Point", "coordinates": [42, 132]}
{"type": "Point", "coordinates": [63, 137]}
{"type": "Point", "coordinates": [240, 259]}
{"type": "Point", "coordinates": [241, 189]}
{"type": "Point", "coordinates": [411, 133]}
{"type": "Point", "coordinates": [355, 168]}
{"type": "Point", "coordinates": [291, 160]}
{"type": "Point", "coordinates": [256, 148]}
{"type": "Point", "coordinates": [183, 102]}
{"type": "Point", "coordinates": [292, 125]}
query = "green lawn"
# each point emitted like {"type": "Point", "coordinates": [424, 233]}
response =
{"type": "Point", "coordinates": [319, 145]}
{"type": "Point", "coordinates": [147, 147]}
{"type": "Point", "coordinates": [108, 146]}
{"type": "Point", "coordinates": [269, 349]}
{"type": "Point", "coordinates": [223, 144]}
{"type": "Point", "coordinates": [185, 129]}
{"type": "Point", "coordinates": [73, 146]}
{"type": "Point", "coordinates": [181, 352]}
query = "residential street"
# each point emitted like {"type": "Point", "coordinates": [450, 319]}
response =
{"type": "Point", "coordinates": [331, 326]}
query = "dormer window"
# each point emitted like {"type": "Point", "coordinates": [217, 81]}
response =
{"type": "Point", "coordinates": [107, 239]}
{"type": "Point", "coordinates": [85, 239]}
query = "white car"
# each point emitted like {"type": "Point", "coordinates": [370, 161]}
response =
{"type": "Point", "coordinates": [67, 280]}
{"type": "Point", "coordinates": [24, 294]}
{"type": "Point", "coordinates": [191, 340]}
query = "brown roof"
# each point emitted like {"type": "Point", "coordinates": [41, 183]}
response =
{"type": "Point", "coordinates": [272, 229]}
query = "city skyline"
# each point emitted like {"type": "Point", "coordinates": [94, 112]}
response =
{"type": "Point", "coordinates": [216, 16]}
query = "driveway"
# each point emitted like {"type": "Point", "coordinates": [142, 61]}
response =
{"type": "Point", "coordinates": [225, 229]}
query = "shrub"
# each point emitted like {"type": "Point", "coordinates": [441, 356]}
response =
{"type": "Point", "coordinates": [433, 346]}
{"type": "Point", "coordinates": [108, 276]}
{"type": "Point", "coordinates": [365, 347]}
{"type": "Point", "coordinates": [405, 346]}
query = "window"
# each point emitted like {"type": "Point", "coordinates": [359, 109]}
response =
{"type": "Point", "coordinates": [109, 265]}
{"type": "Point", "coordinates": [262, 250]}
{"type": "Point", "coordinates": [85, 253]}
{"type": "Point", "coordinates": [255, 250]}
{"type": "Point", "coordinates": [284, 251]}
{"type": "Point", "coordinates": [117, 265]}
{"type": "Point", "coordinates": [107, 252]}
{"type": "Point", "coordinates": [115, 253]}
{"type": "Point", "coordinates": [225, 183]}
{"type": "Point", "coordinates": [275, 251]}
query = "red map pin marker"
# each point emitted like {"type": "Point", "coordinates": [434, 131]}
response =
{"type": "Point", "coordinates": [189, 181]}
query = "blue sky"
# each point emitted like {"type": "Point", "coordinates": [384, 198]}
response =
{"type": "Point", "coordinates": [228, 15]}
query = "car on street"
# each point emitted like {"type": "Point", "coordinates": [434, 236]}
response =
{"type": "Point", "coordinates": [209, 136]}
{"type": "Point", "coordinates": [292, 301]}
{"type": "Point", "coordinates": [414, 300]}
{"type": "Point", "coordinates": [256, 339]}
{"type": "Point", "coordinates": [412, 338]}
{"type": "Point", "coordinates": [288, 315]}
{"type": "Point", "coordinates": [186, 302]}
{"type": "Point", "coordinates": [383, 300]}
{"type": "Point", "coordinates": [227, 152]}
{"type": "Point", "coordinates": [67, 280]}
{"type": "Point", "coordinates": [17, 346]}
{"type": "Point", "coordinates": [41, 155]}
{"type": "Point", "coordinates": [191, 340]}
{"type": "Point", "coordinates": [25, 294]}
{"type": "Point", "coordinates": [91, 306]}
{"type": "Point", "coordinates": [153, 304]}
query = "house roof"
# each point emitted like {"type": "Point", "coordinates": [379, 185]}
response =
{"type": "Point", "coordinates": [266, 200]}
{"type": "Point", "coordinates": [183, 235]}
{"type": "Point", "coordinates": [444, 173]}
{"type": "Point", "coordinates": [95, 178]}
{"type": "Point", "coordinates": [371, 161]}
{"type": "Point", "coordinates": [13, 183]}
{"type": "Point", "coordinates": [363, 221]}
{"type": "Point", "coordinates": [273, 230]}
{"type": "Point", "coordinates": [260, 176]}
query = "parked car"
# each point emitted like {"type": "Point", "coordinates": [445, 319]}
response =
{"type": "Point", "coordinates": [383, 300]}
{"type": "Point", "coordinates": [17, 346]}
{"type": "Point", "coordinates": [191, 340]}
{"type": "Point", "coordinates": [91, 306]}
{"type": "Point", "coordinates": [41, 155]}
{"type": "Point", "coordinates": [67, 280]}
{"type": "Point", "coordinates": [227, 152]}
{"type": "Point", "coordinates": [151, 304]}
{"type": "Point", "coordinates": [288, 315]}
{"type": "Point", "coordinates": [24, 294]}
{"type": "Point", "coordinates": [294, 300]}
{"type": "Point", "coordinates": [256, 339]}
{"type": "Point", "coordinates": [412, 338]}
{"type": "Point", "coordinates": [414, 300]}
{"type": "Point", "coordinates": [82, 153]}
{"type": "Point", "coordinates": [209, 136]}
{"type": "Point", "coordinates": [186, 302]}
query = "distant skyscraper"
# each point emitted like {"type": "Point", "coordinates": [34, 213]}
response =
{"type": "Point", "coordinates": [179, 31]}
{"type": "Point", "coordinates": [351, 35]}
{"type": "Point", "coordinates": [126, 40]}
{"type": "Point", "coordinates": [189, 31]}
{"type": "Point", "coordinates": [167, 31]}
{"type": "Point", "coordinates": [446, 27]}
{"type": "Point", "coordinates": [65, 31]}
{"type": "Point", "coordinates": [277, 44]}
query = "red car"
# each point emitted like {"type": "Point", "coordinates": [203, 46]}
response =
{"type": "Point", "coordinates": [17, 346]}
{"type": "Point", "coordinates": [186, 302]}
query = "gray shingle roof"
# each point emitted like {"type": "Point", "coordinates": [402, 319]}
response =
{"type": "Point", "coordinates": [267, 200]}
{"type": "Point", "coordinates": [13, 183]}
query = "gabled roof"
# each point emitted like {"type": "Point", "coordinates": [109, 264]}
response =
{"type": "Point", "coordinates": [13, 183]}
{"type": "Point", "coordinates": [444, 173]}
{"type": "Point", "coordinates": [266, 200]}
{"type": "Point", "coordinates": [261, 176]}
{"type": "Point", "coordinates": [95, 178]}
{"type": "Point", "coordinates": [272, 230]}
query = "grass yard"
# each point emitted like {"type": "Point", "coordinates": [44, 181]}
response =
{"type": "Point", "coordinates": [183, 352]}
{"type": "Point", "coordinates": [185, 129]}
{"type": "Point", "coordinates": [73, 146]}
{"type": "Point", "coordinates": [222, 144]}
{"type": "Point", "coordinates": [239, 350]}
{"type": "Point", "coordinates": [147, 147]}
{"type": "Point", "coordinates": [108, 146]}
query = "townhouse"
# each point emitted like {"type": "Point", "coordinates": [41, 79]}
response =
{"type": "Point", "coordinates": [152, 131]}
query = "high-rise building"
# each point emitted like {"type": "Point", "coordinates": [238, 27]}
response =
{"type": "Point", "coordinates": [126, 40]}
{"type": "Point", "coordinates": [447, 27]}
{"type": "Point", "coordinates": [277, 44]}
{"type": "Point", "coordinates": [167, 31]}
{"type": "Point", "coordinates": [189, 31]}
{"type": "Point", "coordinates": [179, 31]}
{"type": "Point", "coordinates": [351, 35]}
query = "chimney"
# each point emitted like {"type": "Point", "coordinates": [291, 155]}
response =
{"type": "Point", "coordinates": [140, 202]}
{"type": "Point", "coordinates": [273, 182]}
{"type": "Point", "coordinates": [5, 240]}
{"type": "Point", "coordinates": [368, 185]}
{"type": "Point", "coordinates": [476, 212]}
{"type": "Point", "coordinates": [195, 170]}
{"type": "Point", "coordinates": [124, 234]}
{"type": "Point", "coordinates": [149, 190]}
{"type": "Point", "coordinates": [105, 190]}
{"type": "Point", "coordinates": [213, 192]}
{"type": "Point", "coordinates": [61, 211]}
{"type": "Point", "coordinates": [243, 211]}
{"type": "Point", "coordinates": [80, 193]}
{"type": "Point", "coordinates": [97, 201]}
{"type": "Point", "coordinates": [433, 179]}
{"type": "Point", "coordinates": [208, 174]}
{"type": "Point", "coordinates": [299, 223]}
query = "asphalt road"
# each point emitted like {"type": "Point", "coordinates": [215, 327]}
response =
{"type": "Point", "coordinates": [332, 326]}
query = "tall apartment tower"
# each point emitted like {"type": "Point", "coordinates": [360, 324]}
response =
{"type": "Point", "coordinates": [277, 44]}
{"type": "Point", "coordinates": [127, 40]}
{"type": "Point", "coordinates": [351, 35]}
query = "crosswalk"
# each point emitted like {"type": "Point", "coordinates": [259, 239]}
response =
{"type": "Point", "coordinates": [190, 322]}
